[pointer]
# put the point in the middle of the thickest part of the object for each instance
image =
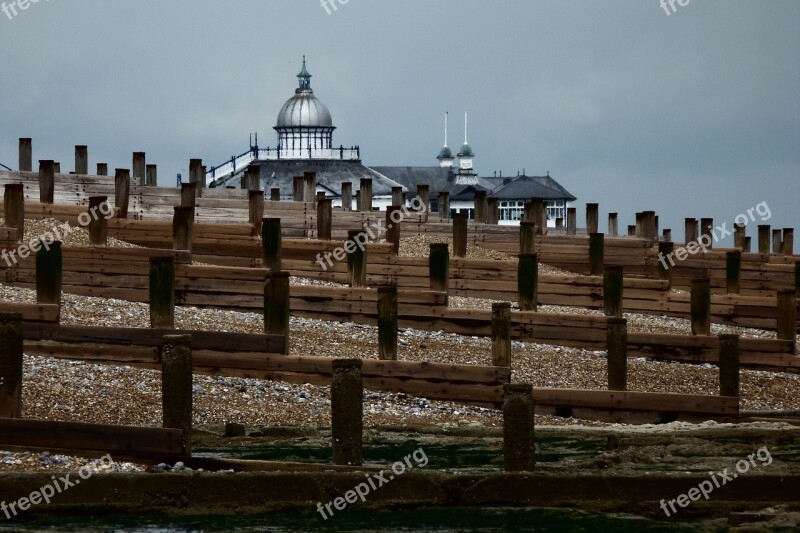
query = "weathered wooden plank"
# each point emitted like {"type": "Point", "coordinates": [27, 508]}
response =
{"type": "Point", "coordinates": [131, 441]}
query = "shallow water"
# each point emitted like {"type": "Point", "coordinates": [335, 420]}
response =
{"type": "Point", "coordinates": [433, 520]}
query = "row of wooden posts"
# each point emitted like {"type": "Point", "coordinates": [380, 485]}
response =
{"type": "Point", "coordinates": [277, 303]}
{"type": "Point", "coordinates": [356, 248]}
{"type": "Point", "coordinates": [277, 307]}
{"type": "Point", "coordinates": [346, 395]}
{"type": "Point", "coordinates": [356, 253]}
{"type": "Point", "coordinates": [486, 209]}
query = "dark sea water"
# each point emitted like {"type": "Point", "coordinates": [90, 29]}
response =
{"type": "Point", "coordinates": [440, 520]}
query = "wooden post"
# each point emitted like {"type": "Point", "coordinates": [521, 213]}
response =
{"type": "Point", "coordinates": [649, 227]}
{"type": "Point", "coordinates": [162, 292]}
{"type": "Point", "coordinates": [617, 341]}
{"type": "Point", "coordinates": [787, 314]}
{"type": "Point", "coordinates": [81, 160]}
{"type": "Point", "coordinates": [49, 273]}
{"type": "Point", "coordinates": [733, 271]}
{"type": "Point", "coordinates": [151, 175]}
{"type": "Point", "coordinates": [592, 218]}
{"type": "Point", "coordinates": [560, 224]}
{"type": "Point", "coordinates": [763, 239]}
{"type": "Point", "coordinates": [139, 166]}
{"type": "Point", "coordinates": [528, 282]}
{"type": "Point", "coordinates": [98, 223]}
{"type": "Point", "coordinates": [480, 207]}
{"type": "Point", "coordinates": [56, 167]}
{"type": "Point", "coordinates": [527, 232]}
{"type": "Point", "coordinates": [444, 206]}
{"type": "Point", "coordinates": [788, 241]}
{"type": "Point", "coordinates": [572, 221]}
{"type": "Point", "coordinates": [358, 200]}
{"type": "Point", "coordinates": [393, 228]}
{"type": "Point", "coordinates": [347, 396]}
{"type": "Point", "coordinates": [527, 212]}
{"type": "Point", "coordinates": [251, 179]}
{"type": "Point", "coordinates": [47, 181]}
{"type": "Point", "coordinates": [797, 276]}
{"type": "Point", "coordinates": [729, 365]}
{"type": "Point", "coordinates": [14, 208]}
{"type": "Point", "coordinates": [539, 215]}
{"type": "Point", "coordinates": [596, 253]}
{"type": "Point", "coordinates": [275, 194]}
{"type": "Point", "coordinates": [122, 190]}
{"type": "Point", "coordinates": [667, 235]}
{"type": "Point", "coordinates": [640, 225]}
{"type": "Point", "coordinates": [183, 228]}
{"type": "Point", "coordinates": [423, 193]}
{"type": "Point", "coordinates": [518, 428]}
{"type": "Point", "coordinates": [739, 235]}
{"type": "Point", "coordinates": [255, 215]}
{"type": "Point", "coordinates": [320, 197]}
{"type": "Point", "coordinates": [460, 235]}
{"type": "Point", "coordinates": [347, 196]}
{"type": "Point", "coordinates": [701, 306]}
{"type": "Point", "coordinates": [357, 257]}
{"type": "Point", "coordinates": [665, 259]}
{"type": "Point", "coordinates": [397, 197]}
{"type": "Point", "coordinates": [102, 169]}
{"type": "Point", "coordinates": [189, 195]}
{"type": "Point", "coordinates": [690, 224]}
{"type": "Point", "coordinates": [493, 212]}
{"type": "Point", "coordinates": [11, 347]}
{"type": "Point", "coordinates": [176, 386]}
{"type": "Point", "coordinates": [612, 291]}
{"type": "Point", "coordinates": [706, 228]}
{"type": "Point", "coordinates": [439, 268]}
{"type": "Point", "coordinates": [387, 323]}
{"type": "Point", "coordinates": [613, 225]}
{"type": "Point", "coordinates": [631, 230]}
{"type": "Point", "coordinates": [25, 155]}
{"type": "Point", "coordinates": [298, 186]}
{"type": "Point", "coordinates": [747, 244]}
{"type": "Point", "coordinates": [777, 242]}
{"type": "Point", "coordinates": [501, 334]}
{"type": "Point", "coordinates": [324, 219]}
{"type": "Point", "coordinates": [366, 194]}
{"type": "Point", "coordinates": [195, 169]}
{"type": "Point", "coordinates": [276, 306]}
{"type": "Point", "coordinates": [271, 243]}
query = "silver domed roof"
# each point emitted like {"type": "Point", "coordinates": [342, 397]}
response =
{"type": "Point", "coordinates": [304, 109]}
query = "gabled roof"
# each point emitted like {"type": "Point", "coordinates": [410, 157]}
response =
{"type": "Point", "coordinates": [330, 175]}
{"type": "Point", "coordinates": [435, 177]}
{"type": "Point", "coordinates": [524, 187]}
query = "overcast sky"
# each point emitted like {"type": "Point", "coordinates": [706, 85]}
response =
{"type": "Point", "coordinates": [695, 113]}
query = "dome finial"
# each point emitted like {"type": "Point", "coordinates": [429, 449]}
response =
{"type": "Point", "coordinates": [466, 149]}
{"type": "Point", "coordinates": [304, 77]}
{"type": "Point", "coordinates": [446, 116]}
{"type": "Point", "coordinates": [445, 155]}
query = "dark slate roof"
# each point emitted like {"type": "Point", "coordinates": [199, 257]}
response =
{"type": "Point", "coordinates": [466, 192]}
{"type": "Point", "coordinates": [330, 175]}
{"type": "Point", "coordinates": [437, 178]}
{"type": "Point", "coordinates": [524, 187]}
{"type": "Point", "coordinates": [410, 177]}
